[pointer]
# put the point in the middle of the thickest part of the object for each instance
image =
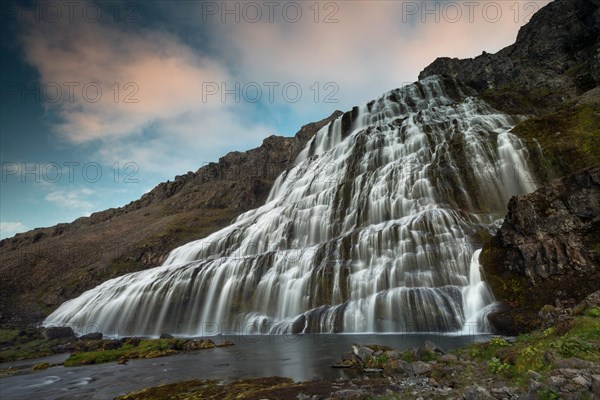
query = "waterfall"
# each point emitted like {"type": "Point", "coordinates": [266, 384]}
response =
{"type": "Point", "coordinates": [375, 229]}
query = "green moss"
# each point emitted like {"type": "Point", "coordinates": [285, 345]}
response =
{"type": "Point", "coordinates": [149, 348]}
{"type": "Point", "coordinates": [272, 387]}
{"type": "Point", "coordinates": [41, 366]}
{"type": "Point", "coordinates": [593, 312]}
{"type": "Point", "coordinates": [547, 394]}
{"type": "Point", "coordinates": [569, 139]}
{"type": "Point", "coordinates": [581, 339]}
{"type": "Point", "coordinates": [31, 349]}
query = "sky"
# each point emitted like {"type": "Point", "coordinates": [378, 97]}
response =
{"type": "Point", "coordinates": [101, 101]}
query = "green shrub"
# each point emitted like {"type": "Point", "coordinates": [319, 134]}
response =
{"type": "Point", "coordinates": [496, 366]}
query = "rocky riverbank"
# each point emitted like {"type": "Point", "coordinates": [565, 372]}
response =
{"type": "Point", "coordinates": [559, 361]}
{"type": "Point", "coordinates": [91, 348]}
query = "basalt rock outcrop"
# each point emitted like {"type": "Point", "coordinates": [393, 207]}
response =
{"type": "Point", "coordinates": [546, 252]}
{"type": "Point", "coordinates": [556, 56]}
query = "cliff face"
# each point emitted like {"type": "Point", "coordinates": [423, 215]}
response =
{"type": "Point", "coordinates": [547, 250]}
{"type": "Point", "coordinates": [42, 268]}
{"type": "Point", "coordinates": [556, 56]}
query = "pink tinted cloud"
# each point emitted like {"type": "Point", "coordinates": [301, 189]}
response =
{"type": "Point", "coordinates": [143, 76]}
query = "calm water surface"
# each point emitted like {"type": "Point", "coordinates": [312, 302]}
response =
{"type": "Point", "coordinates": [300, 357]}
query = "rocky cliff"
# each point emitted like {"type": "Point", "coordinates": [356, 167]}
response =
{"type": "Point", "coordinates": [556, 56]}
{"type": "Point", "coordinates": [42, 268]}
{"type": "Point", "coordinates": [547, 250]}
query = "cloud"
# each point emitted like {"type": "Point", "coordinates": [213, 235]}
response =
{"type": "Point", "coordinates": [172, 128]}
{"type": "Point", "coordinates": [8, 229]}
{"type": "Point", "coordinates": [105, 82]}
{"type": "Point", "coordinates": [375, 46]}
{"type": "Point", "coordinates": [151, 109]}
{"type": "Point", "coordinates": [72, 199]}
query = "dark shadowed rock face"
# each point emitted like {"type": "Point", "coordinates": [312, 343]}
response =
{"type": "Point", "coordinates": [547, 250]}
{"type": "Point", "coordinates": [556, 55]}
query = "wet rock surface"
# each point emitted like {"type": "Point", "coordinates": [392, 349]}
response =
{"type": "Point", "coordinates": [547, 252]}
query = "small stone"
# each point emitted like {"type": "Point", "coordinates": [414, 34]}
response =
{"type": "Point", "coordinates": [448, 358]}
{"type": "Point", "coordinates": [550, 357]}
{"type": "Point", "coordinates": [568, 372]}
{"type": "Point", "coordinates": [362, 351]}
{"type": "Point", "coordinates": [429, 345]}
{"type": "Point", "coordinates": [111, 344]}
{"type": "Point", "coordinates": [534, 375]}
{"type": "Point", "coordinates": [580, 380]}
{"type": "Point", "coordinates": [166, 336]}
{"type": "Point", "coordinates": [595, 383]}
{"type": "Point", "coordinates": [477, 393]}
{"type": "Point", "coordinates": [420, 368]}
{"type": "Point", "coordinates": [556, 381]}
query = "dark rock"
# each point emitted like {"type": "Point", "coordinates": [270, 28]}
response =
{"type": "Point", "coordinates": [550, 357]}
{"type": "Point", "coordinates": [553, 58]}
{"type": "Point", "coordinates": [448, 358]}
{"type": "Point", "coordinates": [132, 341]}
{"type": "Point", "coordinates": [544, 249]}
{"type": "Point", "coordinates": [596, 384]}
{"type": "Point", "coordinates": [362, 352]}
{"type": "Point", "coordinates": [166, 336]}
{"type": "Point", "coordinates": [398, 366]}
{"type": "Point", "coordinates": [534, 375]}
{"type": "Point", "coordinates": [92, 336]}
{"type": "Point", "coordinates": [477, 393]}
{"type": "Point", "coordinates": [349, 394]}
{"type": "Point", "coordinates": [190, 345]}
{"type": "Point", "coordinates": [434, 348]}
{"type": "Point", "coordinates": [420, 368]}
{"type": "Point", "coordinates": [59, 332]}
{"type": "Point", "coordinates": [111, 344]}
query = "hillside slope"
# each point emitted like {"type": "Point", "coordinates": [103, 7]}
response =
{"type": "Point", "coordinates": [42, 268]}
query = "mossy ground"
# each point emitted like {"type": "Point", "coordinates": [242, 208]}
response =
{"type": "Point", "coordinates": [133, 348]}
{"type": "Point", "coordinates": [569, 139]}
{"type": "Point", "coordinates": [16, 344]}
{"type": "Point", "coordinates": [579, 338]}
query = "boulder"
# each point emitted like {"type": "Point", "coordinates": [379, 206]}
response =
{"type": "Point", "coordinates": [59, 332]}
{"type": "Point", "coordinates": [362, 352]}
{"type": "Point", "coordinates": [92, 336]}
{"type": "Point", "coordinates": [421, 368]}
{"type": "Point", "coordinates": [434, 348]}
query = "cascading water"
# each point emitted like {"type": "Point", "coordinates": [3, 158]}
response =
{"type": "Point", "coordinates": [374, 230]}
